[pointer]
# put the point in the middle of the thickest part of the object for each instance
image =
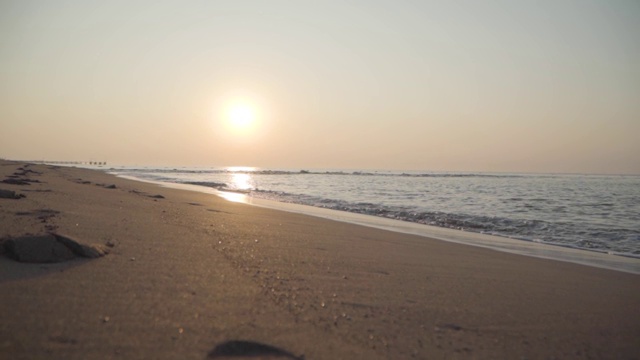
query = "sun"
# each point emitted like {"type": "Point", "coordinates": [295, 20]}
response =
{"type": "Point", "coordinates": [241, 116]}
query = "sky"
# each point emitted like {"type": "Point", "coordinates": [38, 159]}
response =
{"type": "Point", "coordinates": [498, 86]}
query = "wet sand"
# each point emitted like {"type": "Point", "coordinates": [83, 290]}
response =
{"type": "Point", "coordinates": [190, 275]}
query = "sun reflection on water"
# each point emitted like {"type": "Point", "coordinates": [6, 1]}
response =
{"type": "Point", "coordinates": [235, 197]}
{"type": "Point", "coordinates": [241, 181]}
{"type": "Point", "coordinates": [240, 169]}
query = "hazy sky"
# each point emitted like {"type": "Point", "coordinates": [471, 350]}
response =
{"type": "Point", "coordinates": [539, 86]}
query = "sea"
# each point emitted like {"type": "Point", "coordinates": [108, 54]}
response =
{"type": "Point", "coordinates": [599, 213]}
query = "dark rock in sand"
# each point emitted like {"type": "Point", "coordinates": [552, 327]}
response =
{"type": "Point", "coordinates": [9, 194]}
{"type": "Point", "coordinates": [112, 186]}
{"type": "Point", "coordinates": [247, 349]}
{"type": "Point", "coordinates": [38, 249]}
{"type": "Point", "coordinates": [49, 248]}
{"type": "Point", "coordinates": [156, 196]}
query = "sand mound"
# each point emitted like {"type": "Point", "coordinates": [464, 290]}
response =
{"type": "Point", "coordinates": [49, 248]}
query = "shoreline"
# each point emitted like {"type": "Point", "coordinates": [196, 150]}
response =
{"type": "Point", "coordinates": [558, 252]}
{"type": "Point", "coordinates": [190, 273]}
{"type": "Point", "coordinates": [514, 206]}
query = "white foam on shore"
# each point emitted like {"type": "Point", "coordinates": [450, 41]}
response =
{"type": "Point", "coordinates": [522, 247]}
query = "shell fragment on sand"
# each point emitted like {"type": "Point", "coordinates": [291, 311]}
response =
{"type": "Point", "coordinates": [50, 248]}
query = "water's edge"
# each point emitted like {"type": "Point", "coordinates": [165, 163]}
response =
{"type": "Point", "coordinates": [522, 247]}
{"type": "Point", "coordinates": [594, 213]}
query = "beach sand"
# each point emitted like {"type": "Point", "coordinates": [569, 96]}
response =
{"type": "Point", "coordinates": [191, 276]}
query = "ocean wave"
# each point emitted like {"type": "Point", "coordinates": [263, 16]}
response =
{"type": "Point", "coordinates": [309, 172]}
{"type": "Point", "coordinates": [210, 184]}
{"type": "Point", "coordinates": [618, 241]}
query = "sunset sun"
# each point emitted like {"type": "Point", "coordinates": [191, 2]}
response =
{"type": "Point", "coordinates": [241, 116]}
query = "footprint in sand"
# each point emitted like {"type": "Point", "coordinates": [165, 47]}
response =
{"type": "Point", "coordinates": [15, 181]}
{"type": "Point", "coordinates": [41, 214]}
{"type": "Point", "coordinates": [142, 193]}
{"type": "Point", "coordinates": [111, 186]}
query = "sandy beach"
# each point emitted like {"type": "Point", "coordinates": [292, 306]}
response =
{"type": "Point", "coordinates": [192, 276]}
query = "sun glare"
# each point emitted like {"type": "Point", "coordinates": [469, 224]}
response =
{"type": "Point", "coordinates": [241, 116]}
